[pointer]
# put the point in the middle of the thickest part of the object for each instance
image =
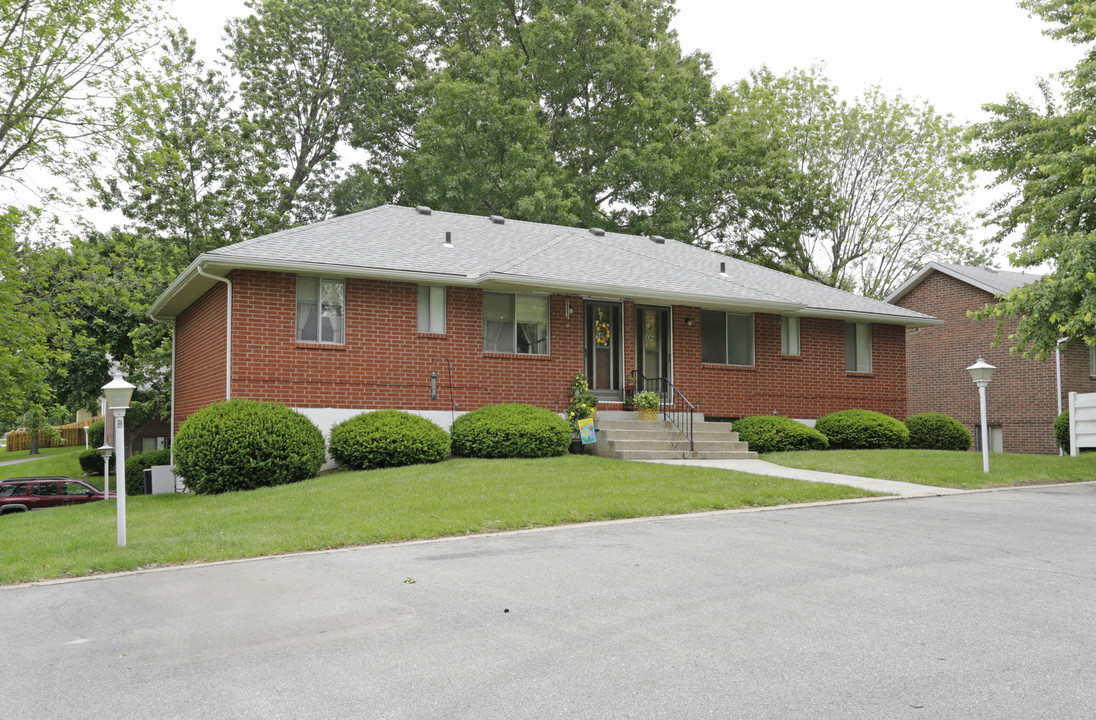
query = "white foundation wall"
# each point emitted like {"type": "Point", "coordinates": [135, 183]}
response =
{"type": "Point", "coordinates": [327, 418]}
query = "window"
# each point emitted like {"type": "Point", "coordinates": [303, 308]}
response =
{"type": "Point", "coordinates": [45, 489]}
{"type": "Point", "coordinates": [74, 489]}
{"type": "Point", "coordinates": [431, 309]}
{"type": "Point", "coordinates": [727, 338]}
{"type": "Point", "coordinates": [789, 335]}
{"type": "Point", "coordinates": [858, 347]}
{"type": "Point", "coordinates": [515, 324]}
{"type": "Point", "coordinates": [320, 306]}
{"type": "Point", "coordinates": [1092, 361]}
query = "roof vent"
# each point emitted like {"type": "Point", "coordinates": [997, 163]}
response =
{"type": "Point", "coordinates": [597, 231]}
{"type": "Point", "coordinates": [659, 239]}
{"type": "Point", "coordinates": [498, 219]}
{"type": "Point", "coordinates": [448, 239]}
{"type": "Point", "coordinates": [423, 210]}
{"type": "Point", "coordinates": [723, 269]}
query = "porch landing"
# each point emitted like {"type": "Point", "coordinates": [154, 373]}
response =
{"type": "Point", "coordinates": [622, 436]}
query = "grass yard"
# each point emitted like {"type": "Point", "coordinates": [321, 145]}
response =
{"type": "Point", "coordinates": [944, 468]}
{"type": "Point", "coordinates": [456, 497]}
{"type": "Point", "coordinates": [54, 461]}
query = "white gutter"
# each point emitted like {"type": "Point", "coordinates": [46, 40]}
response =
{"type": "Point", "coordinates": [228, 331]}
{"type": "Point", "coordinates": [856, 316]}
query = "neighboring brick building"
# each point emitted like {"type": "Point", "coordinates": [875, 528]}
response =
{"type": "Point", "coordinates": [357, 312]}
{"type": "Point", "coordinates": [1021, 400]}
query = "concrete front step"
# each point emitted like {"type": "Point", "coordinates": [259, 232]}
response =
{"type": "Point", "coordinates": [631, 439]}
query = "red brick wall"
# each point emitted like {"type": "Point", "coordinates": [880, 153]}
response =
{"type": "Point", "coordinates": [200, 354]}
{"type": "Point", "coordinates": [1021, 398]}
{"type": "Point", "coordinates": [805, 386]}
{"type": "Point", "coordinates": [385, 362]}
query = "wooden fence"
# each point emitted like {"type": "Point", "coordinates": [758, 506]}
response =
{"type": "Point", "coordinates": [72, 434]}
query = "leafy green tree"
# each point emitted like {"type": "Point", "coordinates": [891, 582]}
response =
{"type": "Point", "coordinates": [24, 352]}
{"type": "Point", "coordinates": [93, 297]}
{"type": "Point", "coordinates": [560, 111]}
{"type": "Point", "coordinates": [190, 168]}
{"type": "Point", "coordinates": [315, 74]}
{"type": "Point", "coordinates": [60, 63]}
{"type": "Point", "coordinates": [873, 187]}
{"type": "Point", "coordinates": [1045, 157]}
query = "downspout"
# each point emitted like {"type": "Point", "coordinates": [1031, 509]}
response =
{"type": "Point", "coordinates": [1058, 363]}
{"type": "Point", "coordinates": [171, 429]}
{"type": "Point", "coordinates": [228, 330]}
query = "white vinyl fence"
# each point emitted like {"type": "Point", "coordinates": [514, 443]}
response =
{"type": "Point", "coordinates": [1082, 422]}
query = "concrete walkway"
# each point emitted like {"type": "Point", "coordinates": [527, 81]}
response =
{"type": "Point", "coordinates": [761, 467]}
{"type": "Point", "coordinates": [19, 460]}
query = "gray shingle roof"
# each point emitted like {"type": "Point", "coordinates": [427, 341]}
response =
{"type": "Point", "coordinates": [391, 241]}
{"type": "Point", "coordinates": [996, 282]}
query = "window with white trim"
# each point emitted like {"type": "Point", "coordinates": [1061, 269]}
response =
{"type": "Point", "coordinates": [515, 323]}
{"type": "Point", "coordinates": [789, 335]}
{"type": "Point", "coordinates": [1092, 360]}
{"type": "Point", "coordinates": [431, 309]}
{"type": "Point", "coordinates": [858, 347]}
{"type": "Point", "coordinates": [726, 338]}
{"type": "Point", "coordinates": [320, 310]}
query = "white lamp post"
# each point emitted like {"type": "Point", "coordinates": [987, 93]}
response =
{"type": "Point", "coordinates": [106, 451]}
{"type": "Point", "coordinates": [118, 392]}
{"type": "Point", "coordinates": [981, 373]}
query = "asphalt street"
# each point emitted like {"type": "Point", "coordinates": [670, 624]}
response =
{"type": "Point", "coordinates": [965, 606]}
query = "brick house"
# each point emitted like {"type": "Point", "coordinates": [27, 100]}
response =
{"type": "Point", "coordinates": [359, 312]}
{"type": "Point", "coordinates": [1022, 399]}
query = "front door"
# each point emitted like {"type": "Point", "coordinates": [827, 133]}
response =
{"type": "Point", "coordinates": [653, 343]}
{"type": "Point", "coordinates": [603, 356]}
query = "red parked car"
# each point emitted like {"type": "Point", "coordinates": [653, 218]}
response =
{"type": "Point", "coordinates": [35, 493]}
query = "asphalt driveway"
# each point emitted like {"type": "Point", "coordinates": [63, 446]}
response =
{"type": "Point", "coordinates": [965, 606]}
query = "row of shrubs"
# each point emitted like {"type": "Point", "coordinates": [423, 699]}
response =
{"type": "Point", "coordinates": [245, 444]}
{"type": "Point", "coordinates": [91, 462]}
{"type": "Point", "coordinates": [853, 430]}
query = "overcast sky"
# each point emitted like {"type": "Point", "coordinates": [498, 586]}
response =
{"type": "Point", "coordinates": [957, 54]}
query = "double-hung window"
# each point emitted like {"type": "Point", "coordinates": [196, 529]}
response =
{"type": "Point", "coordinates": [431, 309]}
{"type": "Point", "coordinates": [320, 310]}
{"type": "Point", "coordinates": [858, 347]}
{"type": "Point", "coordinates": [727, 338]}
{"type": "Point", "coordinates": [789, 335]}
{"type": "Point", "coordinates": [515, 323]}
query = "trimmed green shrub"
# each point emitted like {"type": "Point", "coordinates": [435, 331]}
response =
{"type": "Point", "coordinates": [387, 438]}
{"type": "Point", "coordinates": [136, 466]}
{"type": "Point", "coordinates": [773, 433]}
{"type": "Point", "coordinates": [91, 462]}
{"type": "Point", "coordinates": [936, 431]}
{"type": "Point", "coordinates": [862, 430]}
{"type": "Point", "coordinates": [1061, 431]}
{"type": "Point", "coordinates": [245, 444]}
{"type": "Point", "coordinates": [510, 431]}
{"type": "Point", "coordinates": [95, 436]}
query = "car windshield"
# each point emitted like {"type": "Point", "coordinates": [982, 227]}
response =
{"type": "Point", "coordinates": [13, 490]}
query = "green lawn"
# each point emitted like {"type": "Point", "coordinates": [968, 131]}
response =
{"type": "Point", "coordinates": [54, 461]}
{"type": "Point", "coordinates": [455, 497]}
{"type": "Point", "coordinates": [944, 468]}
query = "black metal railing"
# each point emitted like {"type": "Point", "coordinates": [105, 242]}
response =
{"type": "Point", "coordinates": [674, 406]}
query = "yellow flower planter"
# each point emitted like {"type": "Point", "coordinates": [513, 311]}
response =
{"type": "Point", "coordinates": [647, 413]}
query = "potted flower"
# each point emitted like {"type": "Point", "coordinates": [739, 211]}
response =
{"type": "Point", "coordinates": [646, 403]}
{"type": "Point", "coordinates": [629, 402]}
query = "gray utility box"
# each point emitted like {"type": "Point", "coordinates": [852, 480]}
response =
{"type": "Point", "coordinates": [159, 480]}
